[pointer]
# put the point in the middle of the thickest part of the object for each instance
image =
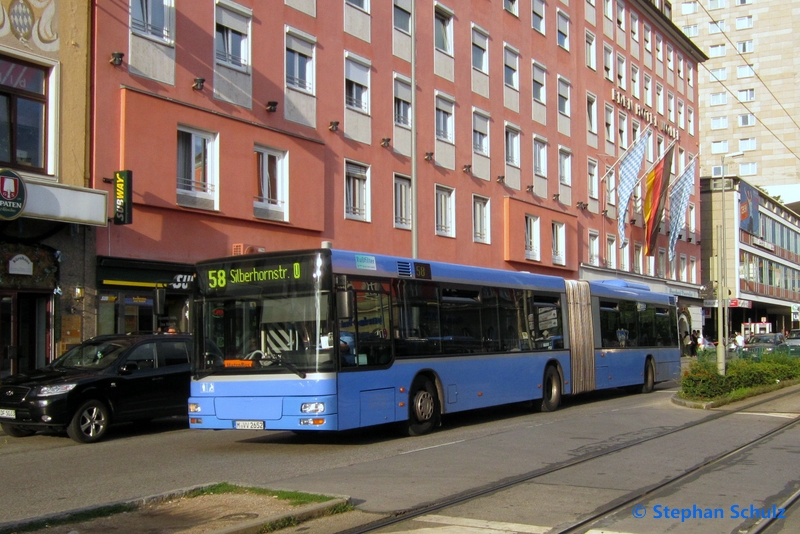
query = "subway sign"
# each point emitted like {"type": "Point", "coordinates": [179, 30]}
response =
{"type": "Point", "coordinates": [123, 201]}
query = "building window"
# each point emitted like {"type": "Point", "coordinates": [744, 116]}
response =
{"type": "Point", "coordinates": [690, 120]}
{"type": "Point", "coordinates": [444, 119]}
{"type": "Point", "coordinates": [745, 47]}
{"type": "Point", "coordinates": [356, 183]}
{"type": "Point", "coordinates": [746, 144]}
{"type": "Point", "coordinates": [688, 8]}
{"type": "Point", "coordinates": [591, 51]}
{"type": "Point", "coordinates": [356, 84]}
{"type": "Point", "coordinates": [272, 175]}
{"type": "Point", "coordinates": [608, 63]}
{"type": "Point", "coordinates": [510, 72]}
{"type": "Point", "coordinates": [635, 81]}
{"type": "Point", "coordinates": [692, 220]}
{"type": "Point", "coordinates": [402, 102]}
{"type": "Point", "coordinates": [744, 23]}
{"type": "Point", "coordinates": [231, 36]}
{"type": "Point", "coordinates": [638, 258]}
{"type": "Point", "coordinates": [480, 51]}
{"type": "Point", "coordinates": [748, 169]}
{"type": "Point", "coordinates": [559, 231]}
{"type": "Point", "coordinates": [621, 72]}
{"type": "Point", "coordinates": [624, 257]}
{"type": "Point", "coordinates": [562, 26]}
{"type": "Point", "coordinates": [747, 119]}
{"type": "Point", "coordinates": [402, 202]}
{"type": "Point", "coordinates": [563, 96]}
{"type": "Point", "coordinates": [564, 166]}
{"type": "Point", "coordinates": [611, 252]}
{"type": "Point", "coordinates": [532, 238]}
{"type": "Point", "coordinates": [594, 248]}
{"type": "Point", "coordinates": [443, 30]}
{"type": "Point", "coordinates": [620, 16]}
{"type": "Point", "coordinates": [151, 18]}
{"type": "Point", "coordinates": [716, 26]}
{"type": "Point", "coordinates": [593, 182]}
{"type": "Point", "coordinates": [480, 220]}
{"type": "Point", "coordinates": [747, 95]}
{"type": "Point", "coordinates": [691, 30]}
{"type": "Point", "coordinates": [537, 18]}
{"type": "Point", "coordinates": [720, 74]}
{"type": "Point", "coordinates": [718, 99]}
{"type": "Point", "coordinates": [299, 63]}
{"type": "Point", "coordinates": [611, 186]}
{"type": "Point", "coordinates": [719, 123]}
{"type": "Point", "coordinates": [445, 211]}
{"type": "Point", "coordinates": [671, 106]}
{"type": "Point", "coordinates": [692, 270]}
{"type": "Point", "coordinates": [609, 123]}
{"type": "Point", "coordinates": [361, 4]}
{"type": "Point", "coordinates": [660, 98]}
{"type": "Point", "coordinates": [745, 71]}
{"type": "Point", "coordinates": [539, 92]}
{"type": "Point", "coordinates": [540, 157]}
{"type": "Point", "coordinates": [197, 163]}
{"type": "Point", "coordinates": [622, 129]}
{"type": "Point", "coordinates": [634, 27]}
{"type": "Point", "coordinates": [480, 133]}
{"type": "Point", "coordinates": [716, 50]}
{"type": "Point", "coordinates": [648, 90]}
{"type": "Point", "coordinates": [23, 115]}
{"type": "Point", "coordinates": [591, 113]}
{"type": "Point", "coordinates": [608, 9]}
{"type": "Point", "coordinates": [512, 146]}
{"type": "Point", "coordinates": [510, 6]}
{"type": "Point", "coordinates": [402, 17]}
{"type": "Point", "coordinates": [719, 147]}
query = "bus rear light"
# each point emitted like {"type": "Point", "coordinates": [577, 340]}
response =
{"type": "Point", "coordinates": [312, 407]}
{"type": "Point", "coordinates": [312, 421]}
{"type": "Point", "coordinates": [196, 420]}
{"type": "Point", "coordinates": [194, 407]}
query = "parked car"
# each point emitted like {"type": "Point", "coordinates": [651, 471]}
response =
{"type": "Point", "coordinates": [794, 338]}
{"type": "Point", "coordinates": [706, 343]}
{"type": "Point", "coordinates": [106, 379]}
{"type": "Point", "coordinates": [763, 343]}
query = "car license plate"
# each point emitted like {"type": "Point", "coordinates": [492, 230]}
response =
{"type": "Point", "coordinates": [11, 414]}
{"type": "Point", "coordinates": [250, 425]}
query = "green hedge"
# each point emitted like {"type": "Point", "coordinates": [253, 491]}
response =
{"type": "Point", "coordinates": [702, 381]}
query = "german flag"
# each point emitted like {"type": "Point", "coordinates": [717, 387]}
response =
{"type": "Point", "coordinates": [655, 197]}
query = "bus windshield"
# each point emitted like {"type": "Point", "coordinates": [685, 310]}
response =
{"type": "Point", "coordinates": [279, 334]}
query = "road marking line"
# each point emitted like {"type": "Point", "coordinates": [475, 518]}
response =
{"type": "Point", "coordinates": [434, 446]}
{"type": "Point", "coordinates": [783, 415]}
{"type": "Point", "coordinates": [480, 523]}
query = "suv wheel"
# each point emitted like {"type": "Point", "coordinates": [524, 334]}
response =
{"type": "Point", "coordinates": [90, 422]}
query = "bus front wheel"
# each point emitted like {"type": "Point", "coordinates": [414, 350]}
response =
{"type": "Point", "coordinates": [551, 391]}
{"type": "Point", "coordinates": [423, 407]}
{"type": "Point", "coordinates": [649, 377]}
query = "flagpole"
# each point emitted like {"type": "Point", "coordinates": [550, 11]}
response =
{"type": "Point", "coordinates": [655, 163]}
{"type": "Point", "coordinates": [672, 184]}
{"type": "Point", "coordinates": [623, 155]}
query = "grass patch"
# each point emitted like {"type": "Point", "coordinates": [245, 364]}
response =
{"type": "Point", "coordinates": [292, 521]}
{"type": "Point", "coordinates": [295, 498]}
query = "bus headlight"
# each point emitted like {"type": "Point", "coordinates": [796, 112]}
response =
{"type": "Point", "coordinates": [194, 407]}
{"type": "Point", "coordinates": [312, 407]}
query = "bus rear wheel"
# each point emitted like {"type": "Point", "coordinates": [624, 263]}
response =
{"type": "Point", "coordinates": [551, 391]}
{"type": "Point", "coordinates": [423, 408]}
{"type": "Point", "coordinates": [649, 377]}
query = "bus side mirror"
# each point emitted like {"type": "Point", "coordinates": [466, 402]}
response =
{"type": "Point", "coordinates": [344, 304]}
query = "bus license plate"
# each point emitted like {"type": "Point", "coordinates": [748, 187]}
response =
{"type": "Point", "coordinates": [8, 413]}
{"type": "Point", "coordinates": [250, 425]}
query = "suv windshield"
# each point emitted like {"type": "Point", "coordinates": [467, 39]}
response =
{"type": "Point", "coordinates": [96, 354]}
{"type": "Point", "coordinates": [280, 334]}
{"type": "Point", "coordinates": [772, 339]}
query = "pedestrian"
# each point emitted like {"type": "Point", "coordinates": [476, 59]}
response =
{"type": "Point", "coordinates": [687, 343]}
{"type": "Point", "coordinates": [693, 344]}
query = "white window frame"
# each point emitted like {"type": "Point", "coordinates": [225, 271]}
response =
{"type": "Point", "coordinates": [562, 29]}
{"type": "Point", "coordinates": [273, 190]}
{"type": "Point", "coordinates": [540, 157]}
{"type": "Point", "coordinates": [357, 191]}
{"type": "Point", "coordinates": [357, 74]}
{"type": "Point", "coordinates": [153, 19]}
{"type": "Point", "coordinates": [480, 132]}
{"type": "Point", "coordinates": [746, 95]}
{"type": "Point", "coordinates": [402, 202]}
{"type": "Point", "coordinates": [564, 100]}
{"type": "Point", "coordinates": [539, 80]}
{"type": "Point", "coordinates": [206, 188]}
{"type": "Point", "coordinates": [559, 248]}
{"type": "Point", "coordinates": [533, 238]}
{"type": "Point", "coordinates": [404, 25]}
{"type": "Point", "coordinates": [480, 41]}
{"type": "Point", "coordinates": [481, 219]}
{"type": "Point", "coordinates": [718, 99]}
{"type": "Point", "coordinates": [444, 201]}
{"type": "Point", "coordinates": [744, 23]}
{"type": "Point", "coordinates": [593, 180]}
{"type": "Point", "coordinates": [594, 248]}
{"type": "Point", "coordinates": [511, 67]}
{"type": "Point", "coordinates": [538, 16]}
{"type": "Point", "coordinates": [445, 118]}
{"type": "Point", "coordinates": [512, 144]}
{"type": "Point", "coordinates": [300, 50]}
{"type": "Point", "coordinates": [443, 29]}
{"type": "Point", "coordinates": [611, 251]}
{"type": "Point", "coordinates": [608, 62]}
{"type": "Point", "coordinates": [745, 47]}
{"type": "Point", "coordinates": [719, 123]}
{"type": "Point", "coordinates": [746, 119]}
{"type": "Point", "coordinates": [745, 71]}
{"type": "Point", "coordinates": [747, 144]}
{"type": "Point", "coordinates": [564, 165]}
{"type": "Point", "coordinates": [591, 113]}
{"type": "Point", "coordinates": [591, 50]}
{"type": "Point", "coordinates": [402, 101]}
{"type": "Point", "coordinates": [235, 22]}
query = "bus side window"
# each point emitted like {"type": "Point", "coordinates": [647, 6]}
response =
{"type": "Point", "coordinates": [364, 340]}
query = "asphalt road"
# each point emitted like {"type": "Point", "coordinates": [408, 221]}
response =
{"type": "Point", "coordinates": [384, 472]}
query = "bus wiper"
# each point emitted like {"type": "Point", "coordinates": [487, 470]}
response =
{"type": "Point", "coordinates": [280, 361]}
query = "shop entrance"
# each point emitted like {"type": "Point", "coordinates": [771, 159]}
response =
{"type": "Point", "coordinates": [24, 328]}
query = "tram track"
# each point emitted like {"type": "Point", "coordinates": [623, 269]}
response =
{"type": "Point", "coordinates": [618, 504]}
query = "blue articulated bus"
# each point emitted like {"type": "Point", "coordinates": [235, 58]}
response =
{"type": "Point", "coordinates": [331, 340]}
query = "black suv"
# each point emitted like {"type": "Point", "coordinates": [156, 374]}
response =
{"type": "Point", "coordinates": [132, 377]}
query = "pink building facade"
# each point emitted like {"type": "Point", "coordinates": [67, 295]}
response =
{"type": "Point", "coordinates": [253, 126]}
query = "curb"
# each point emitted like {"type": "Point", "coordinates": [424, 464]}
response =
{"type": "Point", "coordinates": [694, 404]}
{"type": "Point", "coordinates": [300, 515]}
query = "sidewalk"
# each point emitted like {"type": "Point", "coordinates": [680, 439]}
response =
{"type": "Point", "coordinates": [222, 513]}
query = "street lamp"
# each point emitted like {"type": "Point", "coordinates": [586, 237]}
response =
{"type": "Point", "coordinates": [722, 285]}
